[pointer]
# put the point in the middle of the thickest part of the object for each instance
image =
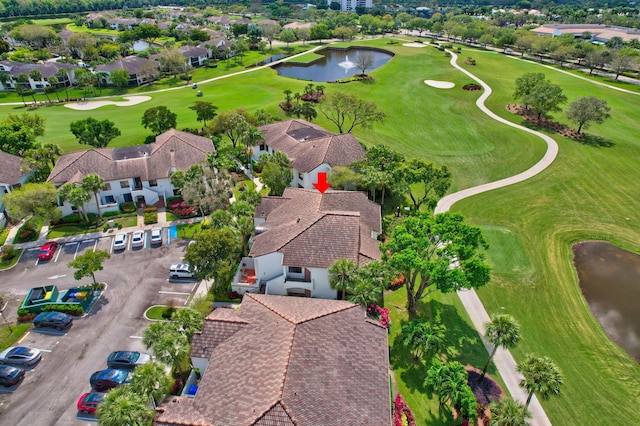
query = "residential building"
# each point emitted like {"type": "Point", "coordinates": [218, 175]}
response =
{"type": "Point", "coordinates": [350, 5]}
{"type": "Point", "coordinates": [195, 55]}
{"type": "Point", "coordinates": [140, 70]}
{"type": "Point", "coordinates": [47, 69]}
{"type": "Point", "coordinates": [301, 234]}
{"type": "Point", "coordinates": [310, 148]}
{"type": "Point", "coordinates": [11, 177]}
{"type": "Point", "coordinates": [298, 25]}
{"type": "Point", "coordinates": [286, 361]}
{"type": "Point", "coordinates": [139, 173]}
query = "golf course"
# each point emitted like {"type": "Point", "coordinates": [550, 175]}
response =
{"type": "Point", "coordinates": [589, 192]}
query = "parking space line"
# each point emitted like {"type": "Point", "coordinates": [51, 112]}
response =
{"type": "Point", "coordinates": [95, 245]}
{"type": "Point", "coordinates": [45, 350]}
{"type": "Point", "coordinates": [24, 337]}
{"type": "Point", "coordinates": [37, 260]}
{"type": "Point", "coordinates": [58, 254]}
{"type": "Point", "coordinates": [146, 238]}
{"type": "Point", "coordinates": [174, 292]}
{"type": "Point", "coordinates": [34, 249]}
{"type": "Point", "coordinates": [135, 337]}
{"type": "Point", "coordinates": [77, 248]}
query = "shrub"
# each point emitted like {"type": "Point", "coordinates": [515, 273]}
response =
{"type": "Point", "coordinates": [402, 414]}
{"type": "Point", "coordinates": [233, 295]}
{"type": "Point", "coordinates": [71, 309]}
{"type": "Point", "coordinates": [27, 232]}
{"type": "Point", "coordinates": [111, 214]}
{"type": "Point", "coordinates": [150, 209]}
{"type": "Point", "coordinates": [72, 218]}
{"type": "Point", "coordinates": [150, 217]}
{"type": "Point", "coordinates": [177, 387]}
{"type": "Point", "coordinates": [28, 317]}
{"type": "Point", "coordinates": [181, 208]}
{"type": "Point", "coordinates": [7, 252]}
{"type": "Point", "coordinates": [128, 207]}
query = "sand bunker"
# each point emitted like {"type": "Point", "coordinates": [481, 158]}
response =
{"type": "Point", "coordinates": [414, 45]}
{"type": "Point", "coordinates": [439, 84]}
{"type": "Point", "coordinates": [88, 105]}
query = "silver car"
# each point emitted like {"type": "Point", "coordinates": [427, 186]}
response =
{"type": "Point", "coordinates": [120, 241]}
{"type": "Point", "coordinates": [20, 355]}
{"type": "Point", "coordinates": [156, 236]}
{"type": "Point", "coordinates": [137, 239]}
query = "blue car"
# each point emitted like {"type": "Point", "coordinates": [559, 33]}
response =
{"type": "Point", "coordinates": [57, 320]}
{"type": "Point", "coordinates": [110, 378]}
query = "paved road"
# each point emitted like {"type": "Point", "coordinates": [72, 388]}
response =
{"type": "Point", "coordinates": [137, 279]}
{"type": "Point", "coordinates": [504, 361]}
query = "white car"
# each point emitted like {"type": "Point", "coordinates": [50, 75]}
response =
{"type": "Point", "coordinates": [180, 270]}
{"type": "Point", "coordinates": [120, 241]}
{"type": "Point", "coordinates": [137, 239]}
{"type": "Point", "coordinates": [156, 236]}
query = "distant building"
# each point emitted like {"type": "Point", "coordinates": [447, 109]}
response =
{"type": "Point", "coordinates": [598, 33]}
{"type": "Point", "coordinates": [350, 5]}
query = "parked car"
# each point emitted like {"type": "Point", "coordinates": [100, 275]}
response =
{"type": "Point", "coordinates": [47, 250]}
{"type": "Point", "coordinates": [137, 239]}
{"type": "Point", "coordinates": [108, 379]}
{"type": "Point", "coordinates": [53, 319]}
{"type": "Point", "coordinates": [120, 241]}
{"type": "Point", "coordinates": [20, 355]}
{"type": "Point", "coordinates": [180, 270]}
{"type": "Point", "coordinates": [156, 236]}
{"type": "Point", "coordinates": [88, 402]}
{"type": "Point", "coordinates": [10, 376]}
{"type": "Point", "coordinates": [127, 359]}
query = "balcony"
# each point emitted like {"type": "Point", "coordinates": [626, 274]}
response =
{"type": "Point", "coordinates": [245, 277]}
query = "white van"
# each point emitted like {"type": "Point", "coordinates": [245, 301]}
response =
{"type": "Point", "coordinates": [181, 270]}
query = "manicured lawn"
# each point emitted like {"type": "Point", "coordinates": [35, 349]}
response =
{"type": "Point", "coordinates": [247, 184]}
{"type": "Point", "coordinates": [9, 337]}
{"type": "Point", "coordinates": [308, 57]}
{"type": "Point", "coordinates": [188, 230]}
{"type": "Point", "coordinates": [156, 312]}
{"type": "Point", "coordinates": [3, 235]}
{"type": "Point", "coordinates": [587, 194]}
{"type": "Point", "coordinates": [34, 236]}
{"type": "Point", "coordinates": [53, 21]}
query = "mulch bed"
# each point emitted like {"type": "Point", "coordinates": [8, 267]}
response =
{"type": "Point", "coordinates": [472, 87]}
{"type": "Point", "coordinates": [486, 392]}
{"type": "Point", "coordinates": [532, 117]}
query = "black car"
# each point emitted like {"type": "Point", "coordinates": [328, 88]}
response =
{"type": "Point", "coordinates": [57, 320]}
{"type": "Point", "coordinates": [10, 376]}
{"type": "Point", "coordinates": [127, 359]}
{"type": "Point", "coordinates": [108, 379]}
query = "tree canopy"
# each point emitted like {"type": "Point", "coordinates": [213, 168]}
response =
{"type": "Point", "coordinates": [159, 119]}
{"type": "Point", "coordinates": [588, 109]}
{"type": "Point", "coordinates": [204, 111]}
{"type": "Point", "coordinates": [276, 172]}
{"type": "Point", "coordinates": [97, 133]}
{"type": "Point", "coordinates": [347, 111]}
{"type": "Point", "coordinates": [541, 376]}
{"type": "Point", "coordinates": [214, 255]}
{"type": "Point", "coordinates": [88, 263]}
{"type": "Point", "coordinates": [37, 199]}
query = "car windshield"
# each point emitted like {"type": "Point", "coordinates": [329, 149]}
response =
{"type": "Point", "coordinates": [115, 375]}
{"type": "Point", "coordinates": [127, 356]}
{"type": "Point", "coordinates": [9, 372]}
{"type": "Point", "coordinates": [44, 251]}
{"type": "Point", "coordinates": [94, 398]}
{"type": "Point", "coordinates": [21, 352]}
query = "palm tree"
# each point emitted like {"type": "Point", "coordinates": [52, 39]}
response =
{"type": "Point", "coordinates": [448, 381]}
{"type": "Point", "coordinates": [169, 345]}
{"type": "Point", "coordinates": [151, 380]}
{"type": "Point", "coordinates": [342, 275]}
{"type": "Point", "coordinates": [423, 337]}
{"type": "Point", "coordinates": [76, 195]}
{"type": "Point", "coordinates": [365, 292]}
{"type": "Point", "coordinates": [4, 79]}
{"type": "Point", "coordinates": [503, 330]}
{"type": "Point", "coordinates": [25, 86]}
{"type": "Point", "coordinates": [507, 412]}
{"type": "Point", "coordinates": [93, 183]}
{"type": "Point", "coordinates": [63, 77]}
{"type": "Point", "coordinates": [53, 85]}
{"type": "Point", "coordinates": [122, 406]}
{"type": "Point", "coordinates": [36, 75]}
{"type": "Point", "coordinates": [541, 375]}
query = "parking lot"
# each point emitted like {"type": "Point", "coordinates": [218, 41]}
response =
{"type": "Point", "coordinates": [136, 279]}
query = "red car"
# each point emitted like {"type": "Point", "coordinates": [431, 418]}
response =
{"type": "Point", "coordinates": [47, 250]}
{"type": "Point", "coordinates": [88, 402]}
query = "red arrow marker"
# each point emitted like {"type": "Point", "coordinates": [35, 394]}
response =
{"type": "Point", "coordinates": [322, 184]}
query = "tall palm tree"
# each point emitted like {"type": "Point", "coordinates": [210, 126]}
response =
{"type": "Point", "coordinates": [541, 375]}
{"type": "Point", "coordinates": [122, 406]}
{"type": "Point", "coordinates": [151, 380]}
{"type": "Point", "coordinates": [365, 292]}
{"type": "Point", "coordinates": [93, 183]}
{"type": "Point", "coordinates": [63, 77]}
{"type": "Point", "coordinates": [36, 75]}
{"type": "Point", "coordinates": [4, 79]}
{"type": "Point", "coordinates": [76, 195]}
{"type": "Point", "coordinates": [25, 87]}
{"type": "Point", "coordinates": [342, 275]}
{"type": "Point", "coordinates": [53, 85]}
{"type": "Point", "coordinates": [503, 330]}
{"type": "Point", "coordinates": [507, 412]}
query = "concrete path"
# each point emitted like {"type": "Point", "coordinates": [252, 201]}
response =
{"type": "Point", "coordinates": [503, 360]}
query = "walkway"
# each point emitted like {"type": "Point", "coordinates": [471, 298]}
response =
{"type": "Point", "coordinates": [503, 360]}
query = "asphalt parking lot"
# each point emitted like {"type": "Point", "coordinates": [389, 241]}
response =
{"type": "Point", "coordinates": [136, 278]}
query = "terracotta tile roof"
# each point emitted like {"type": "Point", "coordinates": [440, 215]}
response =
{"type": "Point", "coordinates": [133, 64]}
{"type": "Point", "coordinates": [171, 150]}
{"type": "Point", "coordinates": [308, 145]}
{"type": "Point", "coordinates": [222, 323]}
{"type": "Point", "coordinates": [314, 230]}
{"type": "Point", "coordinates": [10, 168]}
{"type": "Point", "coordinates": [298, 361]}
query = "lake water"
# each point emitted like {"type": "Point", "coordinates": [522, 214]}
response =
{"type": "Point", "coordinates": [335, 65]}
{"type": "Point", "coordinates": [140, 45]}
{"type": "Point", "coordinates": [610, 282]}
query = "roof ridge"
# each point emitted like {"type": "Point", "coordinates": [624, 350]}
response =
{"type": "Point", "coordinates": [335, 311]}
{"type": "Point", "coordinates": [82, 154]}
{"type": "Point", "coordinates": [303, 229]}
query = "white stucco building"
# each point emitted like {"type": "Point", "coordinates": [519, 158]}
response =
{"type": "Point", "coordinates": [350, 5]}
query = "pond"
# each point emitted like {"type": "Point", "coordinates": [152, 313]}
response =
{"type": "Point", "coordinates": [140, 45]}
{"type": "Point", "coordinates": [335, 64]}
{"type": "Point", "coordinates": [609, 278]}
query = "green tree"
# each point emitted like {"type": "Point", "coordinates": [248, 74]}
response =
{"type": "Point", "coordinates": [188, 321]}
{"type": "Point", "coordinates": [16, 138]}
{"type": "Point", "coordinates": [545, 97]}
{"type": "Point", "coordinates": [507, 412]}
{"type": "Point", "coordinates": [541, 375]}
{"type": "Point", "coordinates": [88, 263]}
{"type": "Point", "coordinates": [276, 172]}
{"type": "Point", "coordinates": [214, 255]}
{"type": "Point", "coordinates": [448, 381]}
{"type": "Point", "coordinates": [37, 36]}
{"type": "Point", "coordinates": [25, 87]}
{"type": "Point", "coordinates": [151, 380]}
{"type": "Point", "coordinates": [122, 406]}
{"type": "Point", "coordinates": [41, 161]}
{"type": "Point", "coordinates": [380, 158]}
{"type": "Point", "coordinates": [53, 85]}
{"type": "Point", "coordinates": [423, 182]}
{"type": "Point", "coordinates": [204, 111]}
{"type": "Point", "coordinates": [588, 109]}
{"type": "Point", "coordinates": [181, 178]}
{"type": "Point", "coordinates": [342, 276]}
{"type": "Point", "coordinates": [436, 253]}
{"type": "Point", "coordinates": [305, 109]}
{"type": "Point", "coordinates": [36, 75]}
{"type": "Point", "coordinates": [364, 293]}
{"type": "Point", "coordinates": [502, 330]}
{"type": "Point", "coordinates": [119, 78]}
{"type": "Point", "coordinates": [159, 119]}
{"type": "Point", "coordinates": [37, 199]}
{"type": "Point", "coordinates": [364, 61]}
{"type": "Point", "coordinates": [169, 345]}
{"type": "Point", "coordinates": [624, 60]}
{"type": "Point", "coordinates": [173, 61]}
{"type": "Point", "coordinates": [97, 133]}
{"type": "Point", "coordinates": [423, 338]}
{"type": "Point", "coordinates": [63, 77]}
{"type": "Point", "coordinates": [94, 183]}
{"type": "Point", "coordinates": [232, 124]}
{"type": "Point", "coordinates": [525, 85]}
{"type": "Point", "coordinates": [287, 36]}
{"type": "Point", "coordinates": [347, 111]}
{"type": "Point", "coordinates": [76, 195]}
{"type": "Point", "coordinates": [209, 191]}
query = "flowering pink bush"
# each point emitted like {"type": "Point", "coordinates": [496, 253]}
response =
{"type": "Point", "coordinates": [381, 314]}
{"type": "Point", "coordinates": [402, 415]}
{"type": "Point", "coordinates": [181, 208]}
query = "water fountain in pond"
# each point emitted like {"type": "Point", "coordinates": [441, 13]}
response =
{"type": "Point", "coordinates": [346, 64]}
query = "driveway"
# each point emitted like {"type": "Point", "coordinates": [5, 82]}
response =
{"type": "Point", "coordinates": [136, 279]}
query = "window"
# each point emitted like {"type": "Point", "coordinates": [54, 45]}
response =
{"type": "Point", "coordinates": [295, 269]}
{"type": "Point", "coordinates": [109, 199]}
{"type": "Point", "coordinates": [153, 182]}
{"type": "Point", "coordinates": [263, 147]}
{"type": "Point", "coordinates": [124, 184]}
{"type": "Point", "coordinates": [107, 186]}
{"type": "Point", "coordinates": [127, 197]}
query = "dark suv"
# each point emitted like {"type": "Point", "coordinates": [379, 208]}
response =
{"type": "Point", "coordinates": [57, 320]}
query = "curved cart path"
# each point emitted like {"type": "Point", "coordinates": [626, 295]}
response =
{"type": "Point", "coordinates": [504, 361]}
